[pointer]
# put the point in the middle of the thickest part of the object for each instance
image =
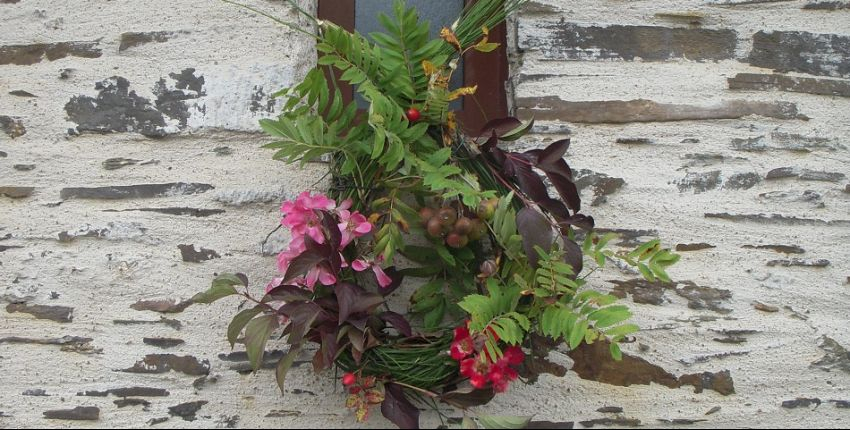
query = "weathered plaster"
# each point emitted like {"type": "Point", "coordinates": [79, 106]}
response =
{"type": "Point", "coordinates": [117, 224]}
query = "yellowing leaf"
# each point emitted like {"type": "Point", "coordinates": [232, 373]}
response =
{"type": "Point", "coordinates": [465, 91]}
{"type": "Point", "coordinates": [429, 68]}
{"type": "Point", "coordinates": [449, 129]}
{"type": "Point", "coordinates": [450, 38]}
{"type": "Point", "coordinates": [374, 396]}
{"type": "Point", "coordinates": [486, 46]}
{"type": "Point", "coordinates": [352, 401]}
{"type": "Point", "coordinates": [362, 414]}
{"type": "Point", "coordinates": [451, 121]}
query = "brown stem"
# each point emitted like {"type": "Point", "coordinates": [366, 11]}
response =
{"type": "Point", "coordinates": [421, 390]}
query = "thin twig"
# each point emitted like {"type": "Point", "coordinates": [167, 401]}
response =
{"type": "Point", "coordinates": [273, 18]}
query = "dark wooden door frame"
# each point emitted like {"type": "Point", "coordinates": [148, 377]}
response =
{"type": "Point", "coordinates": [340, 12]}
{"type": "Point", "coordinates": [487, 70]}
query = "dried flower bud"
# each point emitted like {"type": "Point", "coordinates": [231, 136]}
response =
{"type": "Point", "coordinates": [488, 268]}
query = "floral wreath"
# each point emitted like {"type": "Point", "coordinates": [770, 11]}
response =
{"type": "Point", "coordinates": [495, 261]}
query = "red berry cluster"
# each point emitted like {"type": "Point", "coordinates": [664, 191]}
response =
{"type": "Point", "coordinates": [455, 228]}
{"type": "Point", "coordinates": [479, 367]}
{"type": "Point", "coordinates": [362, 393]}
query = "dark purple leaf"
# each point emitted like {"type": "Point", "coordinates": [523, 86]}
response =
{"type": "Point", "coordinates": [491, 142]}
{"type": "Point", "coordinates": [292, 309]}
{"type": "Point", "coordinates": [498, 155]}
{"type": "Point", "coordinates": [328, 303]}
{"type": "Point", "coordinates": [565, 187]}
{"type": "Point", "coordinates": [555, 207]}
{"type": "Point", "coordinates": [302, 316]}
{"type": "Point", "coordinates": [398, 409]}
{"type": "Point", "coordinates": [529, 181]}
{"type": "Point", "coordinates": [500, 126]}
{"type": "Point", "coordinates": [508, 166]}
{"type": "Point", "coordinates": [328, 325]}
{"type": "Point", "coordinates": [329, 347]}
{"type": "Point", "coordinates": [354, 300]}
{"type": "Point", "coordinates": [302, 264]}
{"type": "Point", "coordinates": [329, 223]}
{"type": "Point", "coordinates": [583, 222]}
{"type": "Point", "coordinates": [334, 263]}
{"type": "Point", "coordinates": [358, 323]}
{"type": "Point", "coordinates": [517, 132]}
{"type": "Point", "coordinates": [552, 153]}
{"type": "Point", "coordinates": [467, 396]}
{"type": "Point", "coordinates": [319, 360]}
{"type": "Point", "coordinates": [286, 293]}
{"type": "Point", "coordinates": [535, 230]}
{"type": "Point", "coordinates": [573, 255]}
{"type": "Point", "coordinates": [532, 155]}
{"type": "Point", "coordinates": [371, 340]}
{"type": "Point", "coordinates": [331, 245]}
{"type": "Point", "coordinates": [322, 249]}
{"type": "Point", "coordinates": [358, 342]}
{"type": "Point", "coordinates": [398, 321]}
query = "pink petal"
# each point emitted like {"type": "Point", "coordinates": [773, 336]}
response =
{"type": "Point", "coordinates": [273, 284]}
{"type": "Point", "coordinates": [326, 278]}
{"type": "Point", "coordinates": [312, 277]}
{"type": "Point", "coordinates": [383, 280]}
{"type": "Point", "coordinates": [363, 228]}
{"type": "Point", "coordinates": [347, 237]}
{"type": "Point", "coordinates": [287, 207]}
{"type": "Point", "coordinates": [317, 234]}
{"type": "Point", "coordinates": [297, 245]}
{"type": "Point", "coordinates": [359, 265]}
{"type": "Point", "coordinates": [318, 201]}
{"type": "Point", "coordinates": [283, 262]}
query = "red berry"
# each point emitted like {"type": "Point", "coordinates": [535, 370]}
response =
{"type": "Point", "coordinates": [426, 213]}
{"type": "Point", "coordinates": [413, 114]}
{"type": "Point", "coordinates": [434, 227]}
{"type": "Point", "coordinates": [463, 225]}
{"type": "Point", "coordinates": [447, 216]}
{"type": "Point", "coordinates": [456, 240]}
{"type": "Point", "coordinates": [348, 378]}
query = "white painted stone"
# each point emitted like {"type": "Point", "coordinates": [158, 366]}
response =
{"type": "Point", "coordinates": [238, 52]}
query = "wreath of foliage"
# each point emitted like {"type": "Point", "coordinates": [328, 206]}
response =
{"type": "Point", "coordinates": [495, 258]}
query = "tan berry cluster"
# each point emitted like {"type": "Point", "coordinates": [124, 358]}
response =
{"type": "Point", "coordinates": [457, 227]}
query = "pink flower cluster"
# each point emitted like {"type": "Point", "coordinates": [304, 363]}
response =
{"type": "Point", "coordinates": [302, 217]}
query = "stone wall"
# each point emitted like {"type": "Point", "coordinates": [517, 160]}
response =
{"type": "Point", "coordinates": [132, 172]}
{"type": "Point", "coordinates": [723, 128]}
